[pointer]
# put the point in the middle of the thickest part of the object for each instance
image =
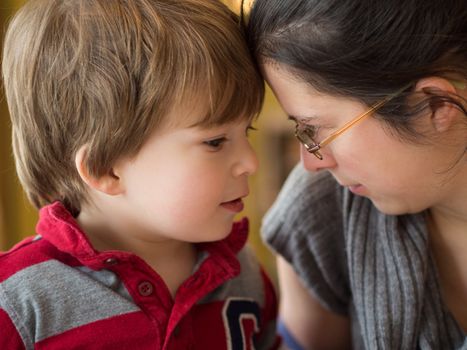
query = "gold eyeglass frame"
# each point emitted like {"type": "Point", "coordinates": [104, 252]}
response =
{"type": "Point", "coordinates": [305, 134]}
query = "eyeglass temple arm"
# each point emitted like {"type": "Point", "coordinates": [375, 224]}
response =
{"type": "Point", "coordinates": [349, 124]}
{"type": "Point", "coordinates": [458, 84]}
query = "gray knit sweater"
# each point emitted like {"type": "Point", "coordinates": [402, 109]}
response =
{"type": "Point", "coordinates": [375, 268]}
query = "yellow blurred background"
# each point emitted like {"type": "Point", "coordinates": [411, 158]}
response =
{"type": "Point", "coordinates": [277, 152]}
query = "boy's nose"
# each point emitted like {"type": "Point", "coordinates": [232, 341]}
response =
{"type": "Point", "coordinates": [247, 161]}
{"type": "Point", "coordinates": [312, 163]}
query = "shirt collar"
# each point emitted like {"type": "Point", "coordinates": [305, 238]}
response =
{"type": "Point", "coordinates": [60, 228]}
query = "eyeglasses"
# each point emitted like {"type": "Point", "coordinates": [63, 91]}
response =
{"type": "Point", "coordinates": [306, 133]}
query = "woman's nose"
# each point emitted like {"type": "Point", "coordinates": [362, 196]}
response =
{"type": "Point", "coordinates": [312, 163]}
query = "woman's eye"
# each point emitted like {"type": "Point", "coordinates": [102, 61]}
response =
{"type": "Point", "coordinates": [308, 128]}
{"type": "Point", "coordinates": [311, 130]}
{"type": "Point", "coordinates": [215, 143]}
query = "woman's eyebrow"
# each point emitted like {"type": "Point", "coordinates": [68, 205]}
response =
{"type": "Point", "coordinates": [303, 119]}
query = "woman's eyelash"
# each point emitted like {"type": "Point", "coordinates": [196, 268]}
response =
{"type": "Point", "coordinates": [312, 128]}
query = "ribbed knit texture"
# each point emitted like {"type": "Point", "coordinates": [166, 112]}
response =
{"type": "Point", "coordinates": [376, 268]}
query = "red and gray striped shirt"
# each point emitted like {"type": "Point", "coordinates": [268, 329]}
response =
{"type": "Point", "coordinates": [58, 292]}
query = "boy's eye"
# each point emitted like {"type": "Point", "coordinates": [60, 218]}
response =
{"type": "Point", "coordinates": [249, 129]}
{"type": "Point", "coordinates": [215, 143]}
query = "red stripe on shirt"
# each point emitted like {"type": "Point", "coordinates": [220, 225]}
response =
{"type": "Point", "coordinates": [28, 253]}
{"type": "Point", "coordinates": [13, 340]}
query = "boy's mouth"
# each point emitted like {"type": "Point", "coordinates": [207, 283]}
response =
{"type": "Point", "coordinates": [235, 206]}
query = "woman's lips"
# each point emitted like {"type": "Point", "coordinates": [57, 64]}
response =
{"type": "Point", "coordinates": [235, 206]}
{"type": "Point", "coordinates": [357, 189]}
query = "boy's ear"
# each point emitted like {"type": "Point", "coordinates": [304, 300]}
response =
{"type": "Point", "coordinates": [109, 184]}
{"type": "Point", "coordinates": [443, 113]}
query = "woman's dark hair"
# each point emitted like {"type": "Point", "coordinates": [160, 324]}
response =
{"type": "Point", "coordinates": [366, 49]}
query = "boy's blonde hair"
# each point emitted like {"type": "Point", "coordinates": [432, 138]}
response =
{"type": "Point", "coordinates": [106, 73]}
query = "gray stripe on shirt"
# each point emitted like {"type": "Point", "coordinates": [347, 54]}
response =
{"type": "Point", "coordinates": [51, 298]}
{"type": "Point", "coordinates": [248, 285]}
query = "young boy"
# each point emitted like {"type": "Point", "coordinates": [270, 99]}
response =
{"type": "Point", "coordinates": [130, 122]}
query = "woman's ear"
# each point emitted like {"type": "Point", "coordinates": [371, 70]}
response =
{"type": "Point", "coordinates": [109, 183]}
{"type": "Point", "coordinates": [443, 113]}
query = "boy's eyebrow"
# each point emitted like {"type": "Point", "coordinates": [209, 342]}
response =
{"type": "Point", "coordinates": [203, 125]}
{"type": "Point", "coordinates": [201, 121]}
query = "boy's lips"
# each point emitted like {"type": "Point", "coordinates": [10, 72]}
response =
{"type": "Point", "coordinates": [235, 206]}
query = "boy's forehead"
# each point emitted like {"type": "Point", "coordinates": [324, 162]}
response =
{"type": "Point", "coordinates": [187, 111]}
{"type": "Point", "coordinates": [197, 110]}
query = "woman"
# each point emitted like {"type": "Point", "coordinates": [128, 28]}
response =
{"type": "Point", "coordinates": [371, 229]}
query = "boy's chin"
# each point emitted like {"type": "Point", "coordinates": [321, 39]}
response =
{"type": "Point", "coordinates": [220, 233]}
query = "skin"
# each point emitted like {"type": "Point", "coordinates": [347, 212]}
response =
{"type": "Point", "coordinates": [171, 194]}
{"type": "Point", "coordinates": [397, 176]}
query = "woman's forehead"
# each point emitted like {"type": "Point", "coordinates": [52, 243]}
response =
{"type": "Point", "coordinates": [301, 101]}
